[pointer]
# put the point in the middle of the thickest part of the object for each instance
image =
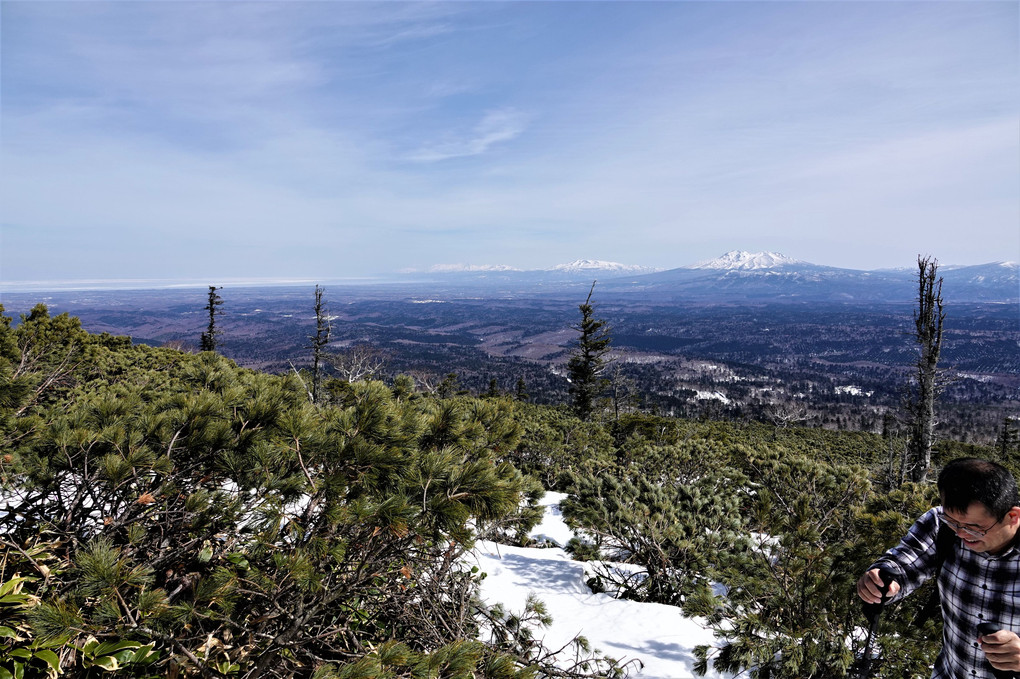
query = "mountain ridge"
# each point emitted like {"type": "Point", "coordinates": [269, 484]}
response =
{"type": "Point", "coordinates": [740, 276]}
{"type": "Point", "coordinates": [742, 260]}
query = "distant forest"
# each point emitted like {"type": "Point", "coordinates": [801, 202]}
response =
{"type": "Point", "coordinates": [834, 365]}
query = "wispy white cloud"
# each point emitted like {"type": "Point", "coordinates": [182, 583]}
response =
{"type": "Point", "coordinates": [495, 127]}
{"type": "Point", "coordinates": [419, 32]}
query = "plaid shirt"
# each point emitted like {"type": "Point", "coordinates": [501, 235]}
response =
{"type": "Point", "coordinates": [975, 588]}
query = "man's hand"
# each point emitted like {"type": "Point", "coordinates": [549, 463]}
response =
{"type": "Point", "coordinates": [869, 587]}
{"type": "Point", "coordinates": [1002, 649]}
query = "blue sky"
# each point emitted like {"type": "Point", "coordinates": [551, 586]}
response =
{"type": "Point", "coordinates": [215, 141]}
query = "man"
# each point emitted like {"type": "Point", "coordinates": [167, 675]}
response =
{"type": "Point", "coordinates": [979, 580]}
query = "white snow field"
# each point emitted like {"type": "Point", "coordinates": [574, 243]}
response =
{"type": "Point", "coordinates": [657, 635]}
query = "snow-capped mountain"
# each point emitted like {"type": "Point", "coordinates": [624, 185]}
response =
{"type": "Point", "coordinates": [589, 265]}
{"type": "Point", "coordinates": [771, 277]}
{"type": "Point", "coordinates": [747, 261]}
{"type": "Point", "coordinates": [984, 282]}
{"type": "Point", "coordinates": [470, 268]}
{"type": "Point", "coordinates": [738, 276]}
{"type": "Point", "coordinates": [576, 272]}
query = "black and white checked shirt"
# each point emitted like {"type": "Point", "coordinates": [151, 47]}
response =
{"type": "Point", "coordinates": [975, 588]}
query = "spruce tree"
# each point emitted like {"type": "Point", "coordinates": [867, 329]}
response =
{"type": "Point", "coordinates": [493, 390]}
{"type": "Point", "coordinates": [1007, 442]}
{"type": "Point", "coordinates": [521, 391]}
{"type": "Point", "coordinates": [319, 340]}
{"type": "Point", "coordinates": [588, 361]}
{"type": "Point", "coordinates": [449, 386]}
{"type": "Point", "coordinates": [209, 336]}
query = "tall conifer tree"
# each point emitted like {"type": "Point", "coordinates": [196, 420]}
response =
{"type": "Point", "coordinates": [521, 391]}
{"type": "Point", "coordinates": [1008, 440]}
{"type": "Point", "coordinates": [588, 362]}
{"type": "Point", "coordinates": [209, 336]}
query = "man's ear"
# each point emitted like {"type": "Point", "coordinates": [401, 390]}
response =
{"type": "Point", "coordinates": [1013, 516]}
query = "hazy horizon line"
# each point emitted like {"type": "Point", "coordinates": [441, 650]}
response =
{"type": "Point", "coordinates": [100, 284]}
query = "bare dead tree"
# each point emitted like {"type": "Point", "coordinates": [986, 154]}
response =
{"type": "Point", "coordinates": [622, 390]}
{"type": "Point", "coordinates": [928, 322]}
{"type": "Point", "coordinates": [427, 382]}
{"type": "Point", "coordinates": [785, 414]}
{"type": "Point", "coordinates": [319, 340]}
{"type": "Point", "coordinates": [357, 362]}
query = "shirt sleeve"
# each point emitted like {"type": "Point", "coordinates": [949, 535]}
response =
{"type": "Point", "coordinates": [912, 561]}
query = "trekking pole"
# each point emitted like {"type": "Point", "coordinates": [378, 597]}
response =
{"type": "Point", "coordinates": [873, 612]}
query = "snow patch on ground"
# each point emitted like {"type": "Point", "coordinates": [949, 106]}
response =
{"type": "Point", "coordinates": [853, 391]}
{"type": "Point", "coordinates": [709, 395]}
{"type": "Point", "coordinates": [657, 635]}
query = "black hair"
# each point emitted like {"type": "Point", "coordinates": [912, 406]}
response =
{"type": "Point", "coordinates": [967, 480]}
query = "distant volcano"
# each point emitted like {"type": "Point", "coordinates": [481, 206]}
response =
{"type": "Point", "coordinates": [747, 261]}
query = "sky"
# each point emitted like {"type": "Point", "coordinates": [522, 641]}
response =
{"type": "Point", "coordinates": [219, 141]}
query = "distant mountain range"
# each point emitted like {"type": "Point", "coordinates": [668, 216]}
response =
{"type": "Point", "coordinates": [579, 266]}
{"type": "Point", "coordinates": [745, 276]}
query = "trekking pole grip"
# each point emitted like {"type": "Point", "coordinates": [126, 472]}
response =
{"type": "Point", "coordinates": [871, 611]}
{"type": "Point", "coordinates": [984, 629]}
{"type": "Point", "coordinates": [887, 577]}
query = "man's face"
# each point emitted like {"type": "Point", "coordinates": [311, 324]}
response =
{"type": "Point", "coordinates": [997, 534]}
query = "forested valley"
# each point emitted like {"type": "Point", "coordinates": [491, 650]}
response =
{"type": "Point", "coordinates": [165, 512]}
{"type": "Point", "coordinates": [843, 366]}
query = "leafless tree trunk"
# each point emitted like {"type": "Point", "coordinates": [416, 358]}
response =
{"type": "Point", "coordinates": [427, 382]}
{"type": "Point", "coordinates": [928, 321]}
{"type": "Point", "coordinates": [359, 362]}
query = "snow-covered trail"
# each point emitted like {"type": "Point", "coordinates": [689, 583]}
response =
{"type": "Point", "coordinates": [659, 636]}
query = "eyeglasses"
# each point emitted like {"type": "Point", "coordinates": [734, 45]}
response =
{"type": "Point", "coordinates": [960, 528]}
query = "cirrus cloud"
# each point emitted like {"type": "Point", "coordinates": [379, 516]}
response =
{"type": "Point", "coordinates": [495, 127]}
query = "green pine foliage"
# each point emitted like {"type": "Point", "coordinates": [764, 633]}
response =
{"type": "Point", "coordinates": [908, 645]}
{"type": "Point", "coordinates": [554, 440]}
{"type": "Point", "coordinates": [789, 605]}
{"type": "Point", "coordinates": [671, 532]}
{"type": "Point", "coordinates": [215, 515]}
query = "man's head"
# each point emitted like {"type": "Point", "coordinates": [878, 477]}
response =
{"type": "Point", "coordinates": [980, 499]}
{"type": "Point", "coordinates": [967, 480]}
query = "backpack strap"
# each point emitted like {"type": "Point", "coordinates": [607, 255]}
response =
{"type": "Point", "coordinates": [945, 541]}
